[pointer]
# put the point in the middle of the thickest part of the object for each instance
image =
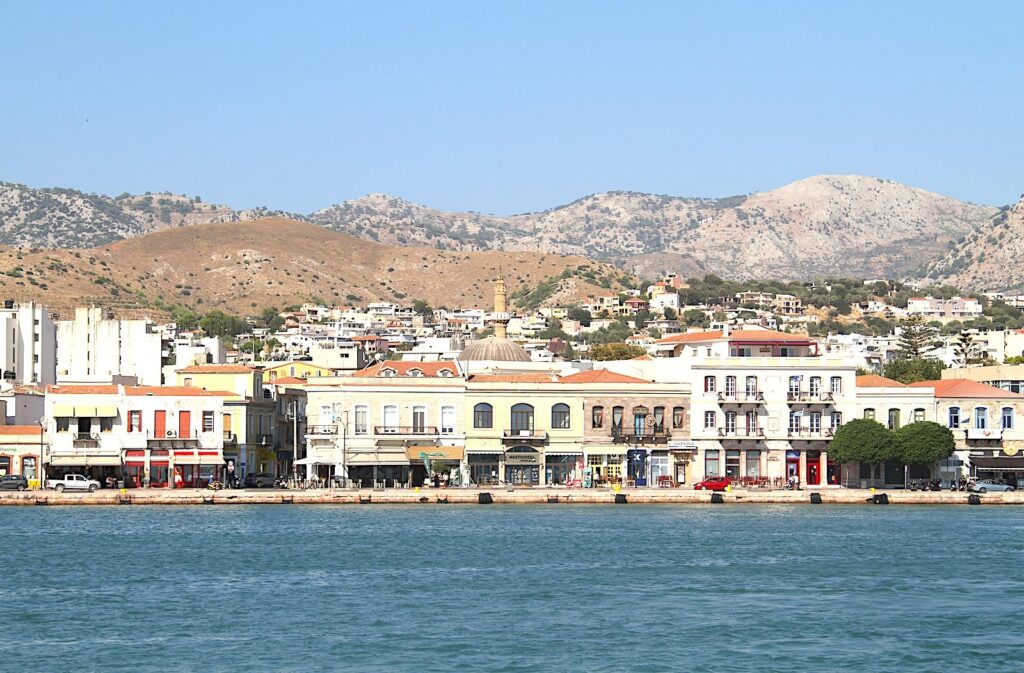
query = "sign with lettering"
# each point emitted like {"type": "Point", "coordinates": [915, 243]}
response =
{"type": "Point", "coordinates": [522, 458]}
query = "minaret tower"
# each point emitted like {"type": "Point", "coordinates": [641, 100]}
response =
{"type": "Point", "coordinates": [501, 316]}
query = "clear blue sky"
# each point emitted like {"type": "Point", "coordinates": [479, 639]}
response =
{"type": "Point", "coordinates": [508, 106]}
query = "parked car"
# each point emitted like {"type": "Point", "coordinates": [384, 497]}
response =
{"type": "Point", "coordinates": [713, 484]}
{"type": "Point", "coordinates": [73, 482]}
{"type": "Point", "coordinates": [986, 485]}
{"type": "Point", "coordinates": [259, 480]}
{"type": "Point", "coordinates": [13, 482]}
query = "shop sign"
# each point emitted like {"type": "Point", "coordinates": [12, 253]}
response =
{"type": "Point", "coordinates": [679, 445]}
{"type": "Point", "coordinates": [520, 458]}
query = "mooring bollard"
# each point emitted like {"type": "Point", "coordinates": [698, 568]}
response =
{"type": "Point", "coordinates": [484, 499]}
{"type": "Point", "coordinates": [974, 499]}
{"type": "Point", "coordinates": [620, 499]}
{"type": "Point", "coordinates": [880, 499]}
{"type": "Point", "coordinates": [815, 498]}
{"type": "Point", "coordinates": [717, 499]}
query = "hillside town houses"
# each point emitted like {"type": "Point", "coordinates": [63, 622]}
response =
{"type": "Point", "coordinates": [393, 396]}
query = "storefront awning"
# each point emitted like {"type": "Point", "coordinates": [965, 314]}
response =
{"type": "Point", "coordinates": [379, 458]}
{"type": "Point", "coordinates": [187, 458]}
{"type": "Point", "coordinates": [314, 460]}
{"type": "Point", "coordinates": [998, 462]}
{"type": "Point", "coordinates": [436, 452]}
{"type": "Point", "coordinates": [84, 411]}
{"type": "Point", "coordinates": [63, 411]}
{"type": "Point", "coordinates": [106, 411]}
{"type": "Point", "coordinates": [85, 461]}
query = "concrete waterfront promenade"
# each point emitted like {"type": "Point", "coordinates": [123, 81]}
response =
{"type": "Point", "coordinates": [502, 496]}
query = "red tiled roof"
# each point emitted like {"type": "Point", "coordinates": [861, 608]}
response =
{"type": "Point", "coordinates": [601, 376]}
{"type": "Point", "coordinates": [217, 369]}
{"type": "Point", "coordinates": [82, 389]}
{"type": "Point", "coordinates": [175, 391]}
{"type": "Point", "coordinates": [515, 378]}
{"type": "Point", "coordinates": [289, 381]}
{"type": "Point", "coordinates": [20, 430]}
{"type": "Point", "coordinates": [876, 381]}
{"type": "Point", "coordinates": [764, 335]}
{"type": "Point", "coordinates": [692, 337]}
{"type": "Point", "coordinates": [427, 369]}
{"type": "Point", "coordinates": [964, 389]}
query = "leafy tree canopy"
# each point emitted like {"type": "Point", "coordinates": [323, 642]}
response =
{"type": "Point", "coordinates": [615, 351]}
{"type": "Point", "coordinates": [923, 443]}
{"type": "Point", "coordinates": [862, 440]}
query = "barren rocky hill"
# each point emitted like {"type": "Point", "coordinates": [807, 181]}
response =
{"type": "Point", "coordinates": [67, 218]}
{"type": "Point", "coordinates": [825, 225]}
{"type": "Point", "coordinates": [986, 258]}
{"type": "Point", "coordinates": [247, 265]}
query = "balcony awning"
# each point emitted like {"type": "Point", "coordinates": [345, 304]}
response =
{"type": "Point", "coordinates": [85, 461]}
{"type": "Point", "coordinates": [998, 462]}
{"type": "Point", "coordinates": [84, 411]}
{"type": "Point", "coordinates": [106, 411]}
{"type": "Point", "coordinates": [436, 452]}
{"type": "Point", "coordinates": [63, 411]}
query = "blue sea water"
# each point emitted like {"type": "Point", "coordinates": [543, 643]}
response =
{"type": "Point", "coordinates": [522, 588]}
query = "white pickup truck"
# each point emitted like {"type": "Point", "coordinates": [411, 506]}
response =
{"type": "Point", "coordinates": [73, 482]}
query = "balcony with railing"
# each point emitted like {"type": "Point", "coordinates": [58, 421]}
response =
{"type": "Point", "coordinates": [741, 397]}
{"type": "Point", "coordinates": [524, 436]}
{"type": "Point", "coordinates": [741, 432]}
{"type": "Point", "coordinates": [809, 397]}
{"type": "Point", "coordinates": [655, 434]}
{"type": "Point", "coordinates": [823, 432]}
{"type": "Point", "coordinates": [405, 430]}
{"type": "Point", "coordinates": [85, 440]}
{"type": "Point", "coordinates": [321, 430]}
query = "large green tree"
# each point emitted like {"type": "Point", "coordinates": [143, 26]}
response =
{"type": "Point", "coordinates": [923, 443]}
{"type": "Point", "coordinates": [917, 338]}
{"type": "Point", "coordinates": [615, 351]}
{"type": "Point", "coordinates": [218, 323]}
{"type": "Point", "coordinates": [911, 371]}
{"type": "Point", "coordinates": [862, 440]}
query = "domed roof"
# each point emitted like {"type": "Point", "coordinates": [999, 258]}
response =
{"type": "Point", "coordinates": [493, 349]}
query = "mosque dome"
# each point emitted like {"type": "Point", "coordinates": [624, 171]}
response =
{"type": "Point", "coordinates": [493, 349]}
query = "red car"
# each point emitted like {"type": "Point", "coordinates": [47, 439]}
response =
{"type": "Point", "coordinates": [713, 484]}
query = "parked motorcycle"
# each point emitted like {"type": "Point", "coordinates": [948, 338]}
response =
{"type": "Point", "coordinates": [215, 485]}
{"type": "Point", "coordinates": [280, 482]}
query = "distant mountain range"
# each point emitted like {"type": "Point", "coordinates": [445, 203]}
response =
{"type": "Point", "coordinates": [821, 226]}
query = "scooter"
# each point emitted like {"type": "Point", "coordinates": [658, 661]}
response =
{"type": "Point", "coordinates": [280, 482]}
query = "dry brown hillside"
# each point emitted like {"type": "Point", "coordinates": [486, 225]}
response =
{"type": "Point", "coordinates": [242, 266]}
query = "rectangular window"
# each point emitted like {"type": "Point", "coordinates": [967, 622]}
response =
{"type": "Point", "coordinates": [730, 385]}
{"type": "Point", "coordinates": [712, 463]}
{"type": "Point", "coordinates": [815, 421]}
{"type": "Point", "coordinates": [63, 424]}
{"type": "Point", "coordinates": [753, 463]}
{"type": "Point", "coordinates": [710, 384]}
{"type": "Point", "coordinates": [981, 418]}
{"type": "Point", "coordinates": [362, 420]}
{"type": "Point", "coordinates": [869, 414]}
{"type": "Point", "coordinates": [597, 417]}
{"type": "Point", "coordinates": [709, 419]}
{"type": "Point", "coordinates": [815, 386]}
{"type": "Point", "coordinates": [837, 419]}
{"type": "Point", "coordinates": [390, 418]}
{"type": "Point", "coordinates": [954, 417]}
{"type": "Point", "coordinates": [678, 418]}
{"type": "Point", "coordinates": [894, 419]}
{"type": "Point", "coordinates": [836, 385]}
{"type": "Point", "coordinates": [730, 421]}
{"type": "Point", "coordinates": [28, 467]}
{"type": "Point", "coordinates": [794, 385]}
{"type": "Point", "coordinates": [732, 463]}
{"type": "Point", "coordinates": [106, 424]}
{"type": "Point", "coordinates": [447, 420]}
{"type": "Point", "coordinates": [918, 415]}
{"type": "Point", "coordinates": [794, 421]}
{"type": "Point", "coordinates": [1007, 418]}
{"type": "Point", "coordinates": [751, 387]}
{"type": "Point", "coordinates": [135, 421]}
{"type": "Point", "coordinates": [207, 421]}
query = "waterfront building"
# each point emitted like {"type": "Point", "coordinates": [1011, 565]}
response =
{"type": "Point", "coordinates": [28, 344]}
{"type": "Point", "coordinates": [95, 348]}
{"type": "Point", "coordinates": [160, 435]}
{"type": "Point", "coordinates": [987, 425]}
{"type": "Point", "coordinates": [893, 404]}
{"type": "Point", "coordinates": [249, 413]}
{"type": "Point", "coordinates": [20, 449]}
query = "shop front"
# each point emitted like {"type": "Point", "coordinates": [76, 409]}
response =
{"type": "Point", "coordinates": [196, 468]}
{"type": "Point", "coordinates": [563, 469]}
{"type": "Point", "coordinates": [605, 467]}
{"type": "Point", "coordinates": [636, 467]}
{"type": "Point", "coordinates": [101, 467]}
{"type": "Point", "coordinates": [484, 468]}
{"type": "Point", "coordinates": [436, 465]}
{"type": "Point", "coordinates": [523, 466]}
{"type": "Point", "coordinates": [999, 468]}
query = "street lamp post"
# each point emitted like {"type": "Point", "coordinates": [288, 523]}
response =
{"type": "Point", "coordinates": [39, 468]}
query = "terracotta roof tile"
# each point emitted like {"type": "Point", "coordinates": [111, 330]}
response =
{"type": "Point", "coordinates": [515, 378]}
{"type": "Point", "coordinates": [601, 376]}
{"type": "Point", "coordinates": [876, 381]}
{"type": "Point", "coordinates": [403, 369]}
{"type": "Point", "coordinates": [964, 389]}
{"type": "Point", "coordinates": [20, 430]}
{"type": "Point", "coordinates": [174, 391]}
{"type": "Point", "coordinates": [82, 389]}
{"type": "Point", "coordinates": [217, 369]}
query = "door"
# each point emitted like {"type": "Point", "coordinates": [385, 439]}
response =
{"type": "Point", "coordinates": [159, 424]}
{"type": "Point", "coordinates": [813, 467]}
{"type": "Point", "coordinates": [184, 424]}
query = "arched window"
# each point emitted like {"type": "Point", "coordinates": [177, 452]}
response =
{"type": "Point", "coordinates": [678, 418]}
{"type": "Point", "coordinates": [483, 416]}
{"type": "Point", "coordinates": [522, 418]}
{"type": "Point", "coordinates": [560, 417]}
{"type": "Point", "coordinates": [597, 417]}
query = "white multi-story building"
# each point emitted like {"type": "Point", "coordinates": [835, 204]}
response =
{"type": "Point", "coordinates": [95, 347]}
{"type": "Point", "coordinates": [955, 308]}
{"type": "Point", "coordinates": [156, 435]}
{"type": "Point", "coordinates": [28, 344]}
